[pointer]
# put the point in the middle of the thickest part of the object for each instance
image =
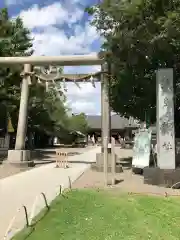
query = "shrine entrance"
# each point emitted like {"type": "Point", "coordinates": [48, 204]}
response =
{"type": "Point", "coordinates": [33, 71]}
{"type": "Point", "coordinates": [165, 110]}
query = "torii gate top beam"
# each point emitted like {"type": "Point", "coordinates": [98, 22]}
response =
{"type": "Point", "coordinates": [74, 60]}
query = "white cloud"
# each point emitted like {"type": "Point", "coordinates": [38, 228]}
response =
{"type": "Point", "coordinates": [86, 99]}
{"type": "Point", "coordinates": [54, 41]}
{"type": "Point", "coordinates": [84, 90]}
{"type": "Point", "coordinates": [87, 107]}
{"type": "Point", "coordinates": [49, 15]}
{"type": "Point", "coordinates": [48, 25]}
{"type": "Point", "coordinates": [51, 38]}
{"type": "Point", "coordinates": [82, 69]}
{"type": "Point", "coordinates": [67, 2]}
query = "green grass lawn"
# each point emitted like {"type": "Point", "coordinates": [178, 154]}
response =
{"type": "Point", "coordinates": [90, 215]}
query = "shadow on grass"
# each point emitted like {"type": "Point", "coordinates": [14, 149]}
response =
{"type": "Point", "coordinates": [40, 217]}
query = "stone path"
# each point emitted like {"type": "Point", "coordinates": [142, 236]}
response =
{"type": "Point", "coordinates": [42, 156]}
{"type": "Point", "coordinates": [22, 189]}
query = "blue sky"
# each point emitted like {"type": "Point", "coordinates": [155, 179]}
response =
{"type": "Point", "coordinates": [62, 28]}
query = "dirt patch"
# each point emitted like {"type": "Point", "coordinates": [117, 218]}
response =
{"type": "Point", "coordinates": [126, 181]}
{"type": "Point", "coordinates": [6, 171]}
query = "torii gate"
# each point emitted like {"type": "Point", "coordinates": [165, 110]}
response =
{"type": "Point", "coordinates": [19, 154]}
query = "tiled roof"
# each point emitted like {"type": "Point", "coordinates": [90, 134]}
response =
{"type": "Point", "coordinates": [117, 122]}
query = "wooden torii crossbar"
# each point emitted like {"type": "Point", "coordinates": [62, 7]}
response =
{"type": "Point", "coordinates": [20, 155]}
{"type": "Point", "coordinates": [74, 60]}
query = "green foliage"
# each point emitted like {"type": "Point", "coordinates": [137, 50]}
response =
{"type": "Point", "coordinates": [78, 122]}
{"type": "Point", "coordinates": [106, 214]}
{"type": "Point", "coordinates": [47, 112]}
{"type": "Point", "coordinates": [141, 36]}
{"type": "Point", "coordinates": [14, 41]}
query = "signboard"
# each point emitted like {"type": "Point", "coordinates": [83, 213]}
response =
{"type": "Point", "coordinates": [142, 149]}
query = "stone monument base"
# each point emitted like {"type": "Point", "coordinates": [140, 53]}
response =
{"type": "Point", "coordinates": [162, 177]}
{"type": "Point", "coordinates": [20, 158]}
{"type": "Point", "coordinates": [99, 165]}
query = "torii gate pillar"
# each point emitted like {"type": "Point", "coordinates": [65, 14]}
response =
{"type": "Point", "coordinates": [104, 159]}
{"type": "Point", "coordinates": [20, 155]}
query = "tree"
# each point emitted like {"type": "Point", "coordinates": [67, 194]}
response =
{"type": "Point", "coordinates": [140, 37]}
{"type": "Point", "coordinates": [47, 113]}
{"type": "Point", "coordinates": [14, 41]}
{"type": "Point", "coordinates": [78, 122]}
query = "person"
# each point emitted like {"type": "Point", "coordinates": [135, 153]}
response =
{"type": "Point", "coordinates": [93, 140]}
{"type": "Point", "coordinates": [120, 140]}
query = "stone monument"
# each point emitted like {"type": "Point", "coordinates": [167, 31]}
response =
{"type": "Point", "coordinates": [165, 120]}
{"type": "Point", "coordinates": [165, 173]}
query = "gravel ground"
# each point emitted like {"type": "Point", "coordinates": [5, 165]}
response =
{"type": "Point", "coordinates": [45, 156]}
{"type": "Point", "coordinates": [125, 181]}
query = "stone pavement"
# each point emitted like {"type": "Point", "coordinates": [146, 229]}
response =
{"type": "Point", "coordinates": [22, 189]}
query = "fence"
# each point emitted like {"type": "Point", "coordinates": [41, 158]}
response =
{"type": "Point", "coordinates": [61, 159]}
{"type": "Point", "coordinates": [29, 217]}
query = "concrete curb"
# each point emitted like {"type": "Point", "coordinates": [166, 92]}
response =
{"type": "Point", "coordinates": [21, 189]}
